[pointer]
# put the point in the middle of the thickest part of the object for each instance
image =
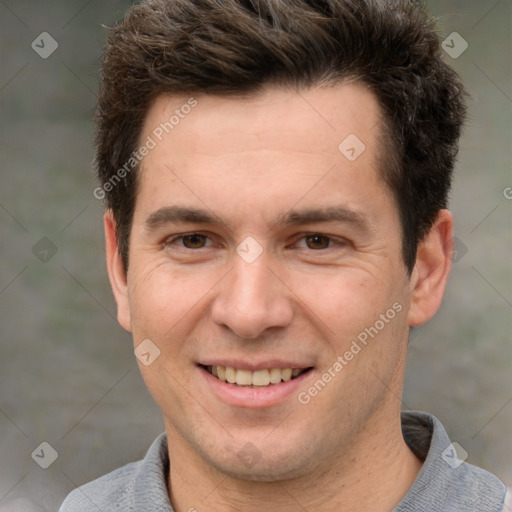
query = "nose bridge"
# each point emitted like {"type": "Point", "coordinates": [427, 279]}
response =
{"type": "Point", "coordinates": [251, 299]}
{"type": "Point", "coordinates": [251, 282]}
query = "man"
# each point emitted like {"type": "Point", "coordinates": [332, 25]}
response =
{"type": "Point", "coordinates": [276, 176]}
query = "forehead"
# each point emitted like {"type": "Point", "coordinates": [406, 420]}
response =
{"type": "Point", "coordinates": [314, 120]}
{"type": "Point", "coordinates": [270, 148]}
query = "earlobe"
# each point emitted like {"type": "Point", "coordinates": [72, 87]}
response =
{"type": "Point", "coordinates": [116, 273]}
{"type": "Point", "coordinates": [431, 270]}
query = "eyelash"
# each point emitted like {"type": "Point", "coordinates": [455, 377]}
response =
{"type": "Point", "coordinates": [333, 241]}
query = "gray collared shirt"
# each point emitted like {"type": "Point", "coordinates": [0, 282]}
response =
{"type": "Point", "coordinates": [444, 484]}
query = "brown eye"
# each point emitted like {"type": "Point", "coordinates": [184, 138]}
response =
{"type": "Point", "coordinates": [317, 241]}
{"type": "Point", "coordinates": [194, 241]}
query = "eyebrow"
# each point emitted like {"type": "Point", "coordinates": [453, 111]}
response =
{"type": "Point", "coordinates": [180, 214]}
{"type": "Point", "coordinates": [329, 214]}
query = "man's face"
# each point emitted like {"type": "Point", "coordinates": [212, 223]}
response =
{"type": "Point", "coordinates": [259, 245]}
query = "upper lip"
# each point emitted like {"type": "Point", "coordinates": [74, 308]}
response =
{"type": "Point", "coordinates": [255, 366]}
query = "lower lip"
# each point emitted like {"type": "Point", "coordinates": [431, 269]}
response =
{"type": "Point", "coordinates": [253, 397]}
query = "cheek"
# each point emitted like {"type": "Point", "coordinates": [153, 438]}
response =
{"type": "Point", "coordinates": [160, 298]}
{"type": "Point", "coordinates": [346, 300]}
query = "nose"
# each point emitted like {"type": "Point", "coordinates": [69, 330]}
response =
{"type": "Point", "coordinates": [252, 299]}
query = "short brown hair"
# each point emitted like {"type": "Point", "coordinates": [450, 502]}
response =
{"type": "Point", "coordinates": [227, 47]}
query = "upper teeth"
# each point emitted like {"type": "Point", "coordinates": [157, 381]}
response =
{"type": "Point", "coordinates": [257, 378]}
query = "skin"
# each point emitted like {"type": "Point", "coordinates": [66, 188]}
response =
{"type": "Point", "coordinates": [248, 162]}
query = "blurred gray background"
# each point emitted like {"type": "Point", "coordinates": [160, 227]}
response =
{"type": "Point", "coordinates": [67, 372]}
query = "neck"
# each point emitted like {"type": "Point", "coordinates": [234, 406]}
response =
{"type": "Point", "coordinates": [378, 467]}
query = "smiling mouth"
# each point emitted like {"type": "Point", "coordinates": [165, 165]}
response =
{"type": "Point", "coordinates": [258, 378]}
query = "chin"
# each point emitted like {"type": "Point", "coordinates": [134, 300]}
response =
{"type": "Point", "coordinates": [267, 474]}
{"type": "Point", "coordinates": [267, 466]}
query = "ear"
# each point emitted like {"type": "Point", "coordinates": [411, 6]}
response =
{"type": "Point", "coordinates": [116, 271]}
{"type": "Point", "coordinates": [431, 270]}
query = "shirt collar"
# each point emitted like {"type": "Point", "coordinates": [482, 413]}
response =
{"type": "Point", "coordinates": [444, 483]}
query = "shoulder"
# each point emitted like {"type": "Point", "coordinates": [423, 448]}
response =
{"type": "Point", "coordinates": [112, 491]}
{"type": "Point", "coordinates": [131, 487]}
{"type": "Point", "coordinates": [446, 482]}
